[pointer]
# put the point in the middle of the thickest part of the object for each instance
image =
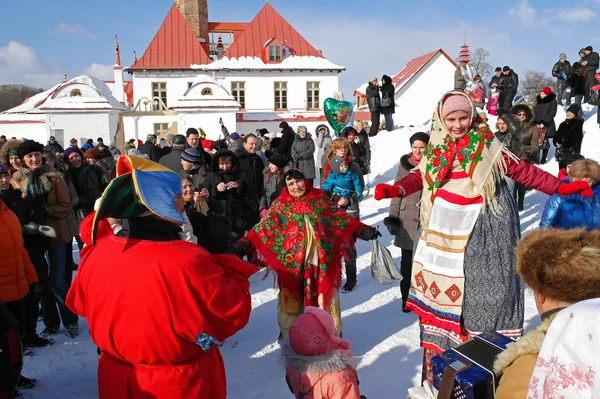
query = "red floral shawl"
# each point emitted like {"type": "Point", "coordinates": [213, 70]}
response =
{"type": "Point", "coordinates": [280, 237]}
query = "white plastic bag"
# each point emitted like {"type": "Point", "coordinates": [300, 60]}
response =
{"type": "Point", "coordinates": [383, 267]}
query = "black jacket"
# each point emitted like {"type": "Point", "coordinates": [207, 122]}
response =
{"type": "Point", "coordinates": [513, 137]}
{"type": "Point", "coordinates": [577, 83]}
{"type": "Point", "coordinates": [387, 91]}
{"type": "Point", "coordinates": [252, 166]}
{"type": "Point", "coordinates": [545, 111]}
{"type": "Point", "coordinates": [593, 62]}
{"type": "Point", "coordinates": [373, 100]}
{"type": "Point", "coordinates": [497, 80]}
{"type": "Point", "coordinates": [363, 136]}
{"type": "Point", "coordinates": [285, 145]}
{"type": "Point", "coordinates": [151, 150]}
{"type": "Point", "coordinates": [570, 135]}
{"type": "Point", "coordinates": [510, 83]}
{"type": "Point", "coordinates": [54, 147]}
{"type": "Point", "coordinates": [172, 160]}
{"type": "Point", "coordinates": [558, 69]}
{"type": "Point", "coordinates": [90, 182]}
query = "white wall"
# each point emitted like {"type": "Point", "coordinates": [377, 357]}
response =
{"type": "Point", "coordinates": [31, 131]}
{"type": "Point", "coordinates": [138, 127]}
{"type": "Point", "coordinates": [416, 101]}
{"type": "Point", "coordinates": [82, 125]}
{"type": "Point", "coordinates": [259, 86]}
{"type": "Point", "coordinates": [250, 127]}
{"type": "Point", "coordinates": [208, 121]}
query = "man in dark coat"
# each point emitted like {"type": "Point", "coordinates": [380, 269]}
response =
{"type": "Point", "coordinates": [508, 87]}
{"type": "Point", "coordinates": [287, 139]}
{"type": "Point", "coordinates": [374, 101]}
{"type": "Point", "coordinates": [545, 111]}
{"type": "Point", "coordinates": [561, 71]}
{"type": "Point", "coordinates": [363, 138]}
{"type": "Point", "coordinates": [388, 90]}
{"type": "Point", "coordinates": [591, 63]}
{"type": "Point", "coordinates": [252, 168]}
{"type": "Point", "coordinates": [54, 146]}
{"type": "Point", "coordinates": [149, 148]}
{"type": "Point", "coordinates": [495, 81]}
{"type": "Point", "coordinates": [173, 159]}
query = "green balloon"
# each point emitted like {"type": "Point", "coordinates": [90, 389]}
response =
{"type": "Point", "coordinates": [338, 113]}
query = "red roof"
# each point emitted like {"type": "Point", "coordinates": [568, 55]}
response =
{"type": "Point", "coordinates": [269, 24]}
{"type": "Point", "coordinates": [174, 46]}
{"type": "Point", "coordinates": [235, 27]}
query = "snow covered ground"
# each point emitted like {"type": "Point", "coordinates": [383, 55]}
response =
{"type": "Point", "coordinates": [385, 341]}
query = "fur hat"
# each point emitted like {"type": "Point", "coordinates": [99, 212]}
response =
{"type": "Point", "coordinates": [9, 149]}
{"type": "Point", "coordinates": [574, 108]}
{"type": "Point", "coordinates": [336, 164]}
{"type": "Point", "coordinates": [456, 103]}
{"type": "Point", "coordinates": [561, 264]}
{"type": "Point", "coordinates": [278, 160]}
{"type": "Point", "coordinates": [29, 146]}
{"type": "Point", "coordinates": [313, 334]}
{"type": "Point", "coordinates": [92, 153]}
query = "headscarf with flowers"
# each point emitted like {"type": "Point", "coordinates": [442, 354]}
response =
{"type": "Point", "coordinates": [303, 240]}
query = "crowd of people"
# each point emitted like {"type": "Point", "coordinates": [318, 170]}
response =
{"type": "Point", "coordinates": [172, 221]}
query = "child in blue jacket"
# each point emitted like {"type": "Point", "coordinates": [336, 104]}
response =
{"type": "Point", "coordinates": [342, 183]}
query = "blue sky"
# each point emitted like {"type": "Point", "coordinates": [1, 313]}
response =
{"type": "Point", "coordinates": [368, 37]}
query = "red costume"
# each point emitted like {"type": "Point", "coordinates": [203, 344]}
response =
{"type": "Point", "coordinates": [157, 310]}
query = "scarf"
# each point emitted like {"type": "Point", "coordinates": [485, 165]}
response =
{"type": "Point", "coordinates": [303, 241]}
{"type": "Point", "coordinates": [415, 161]}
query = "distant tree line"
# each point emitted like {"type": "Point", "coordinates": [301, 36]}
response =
{"type": "Point", "coordinates": [12, 95]}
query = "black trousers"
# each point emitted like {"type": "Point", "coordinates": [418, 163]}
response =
{"type": "Point", "coordinates": [374, 123]}
{"type": "Point", "coordinates": [406, 270]}
{"type": "Point", "coordinates": [519, 194]}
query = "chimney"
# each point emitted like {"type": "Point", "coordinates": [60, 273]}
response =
{"type": "Point", "coordinates": [118, 90]}
{"type": "Point", "coordinates": [195, 13]}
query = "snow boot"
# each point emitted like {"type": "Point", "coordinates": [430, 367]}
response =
{"type": "Point", "coordinates": [348, 287]}
{"type": "Point", "coordinates": [26, 383]}
{"type": "Point", "coordinates": [72, 331]}
{"type": "Point", "coordinates": [35, 341]}
{"type": "Point", "coordinates": [48, 331]}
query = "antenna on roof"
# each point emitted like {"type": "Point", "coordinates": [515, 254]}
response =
{"type": "Point", "coordinates": [134, 57]}
{"type": "Point", "coordinates": [117, 51]}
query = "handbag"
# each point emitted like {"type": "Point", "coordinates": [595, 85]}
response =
{"type": "Point", "coordinates": [383, 267]}
{"type": "Point", "coordinates": [385, 102]}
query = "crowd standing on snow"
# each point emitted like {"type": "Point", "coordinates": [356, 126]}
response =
{"type": "Point", "coordinates": [208, 204]}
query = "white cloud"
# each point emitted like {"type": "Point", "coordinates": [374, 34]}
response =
{"type": "Point", "coordinates": [525, 12]}
{"type": "Point", "coordinates": [73, 29]}
{"type": "Point", "coordinates": [576, 15]}
{"type": "Point", "coordinates": [99, 71]}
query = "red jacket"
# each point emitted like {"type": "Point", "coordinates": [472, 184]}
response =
{"type": "Point", "coordinates": [147, 302]}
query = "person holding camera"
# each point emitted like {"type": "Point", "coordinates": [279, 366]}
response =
{"type": "Point", "coordinates": [569, 136]}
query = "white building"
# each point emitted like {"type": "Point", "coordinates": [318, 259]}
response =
{"type": "Point", "coordinates": [425, 78]}
{"type": "Point", "coordinates": [80, 108]}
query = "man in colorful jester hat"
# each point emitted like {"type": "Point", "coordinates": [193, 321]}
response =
{"type": "Point", "coordinates": [302, 238]}
{"type": "Point", "coordinates": [464, 278]}
{"type": "Point", "coordinates": [157, 307]}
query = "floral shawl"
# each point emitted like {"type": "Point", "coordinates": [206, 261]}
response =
{"type": "Point", "coordinates": [281, 237]}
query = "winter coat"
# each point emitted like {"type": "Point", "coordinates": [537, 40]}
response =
{"type": "Point", "coordinates": [230, 203]}
{"type": "Point", "coordinates": [285, 145]}
{"type": "Point", "coordinates": [173, 160]}
{"type": "Point", "coordinates": [331, 376]}
{"type": "Point", "coordinates": [577, 83]}
{"type": "Point", "coordinates": [252, 167]}
{"type": "Point", "coordinates": [510, 83]}
{"type": "Point", "coordinates": [363, 138]}
{"type": "Point", "coordinates": [236, 145]}
{"type": "Point", "coordinates": [545, 111]}
{"type": "Point", "coordinates": [406, 209]}
{"type": "Point", "coordinates": [273, 188]}
{"type": "Point", "coordinates": [323, 142]}
{"type": "Point", "coordinates": [593, 62]}
{"type": "Point", "coordinates": [559, 69]}
{"type": "Point", "coordinates": [570, 135]}
{"type": "Point", "coordinates": [148, 148]}
{"type": "Point", "coordinates": [353, 165]}
{"type": "Point", "coordinates": [517, 362]}
{"type": "Point", "coordinates": [16, 271]}
{"type": "Point", "coordinates": [303, 154]}
{"type": "Point", "coordinates": [150, 347]}
{"type": "Point", "coordinates": [387, 91]}
{"type": "Point", "coordinates": [573, 211]}
{"type": "Point", "coordinates": [198, 176]}
{"type": "Point", "coordinates": [513, 137]}
{"type": "Point", "coordinates": [460, 82]}
{"type": "Point", "coordinates": [373, 100]}
{"type": "Point", "coordinates": [90, 182]}
{"type": "Point", "coordinates": [345, 185]}
{"type": "Point", "coordinates": [55, 147]}
{"type": "Point", "coordinates": [57, 204]}
{"type": "Point", "coordinates": [530, 142]}
{"type": "Point", "coordinates": [495, 79]}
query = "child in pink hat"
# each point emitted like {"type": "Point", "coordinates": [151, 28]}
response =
{"type": "Point", "coordinates": [319, 364]}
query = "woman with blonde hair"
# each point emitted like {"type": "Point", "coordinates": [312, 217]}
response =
{"type": "Point", "coordinates": [574, 211]}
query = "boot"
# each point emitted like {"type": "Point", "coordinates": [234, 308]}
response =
{"type": "Point", "coordinates": [26, 383]}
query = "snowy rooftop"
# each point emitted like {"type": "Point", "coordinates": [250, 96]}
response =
{"type": "Point", "coordinates": [196, 97]}
{"type": "Point", "coordinates": [290, 63]}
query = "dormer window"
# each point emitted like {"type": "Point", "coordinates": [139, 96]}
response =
{"type": "Point", "coordinates": [274, 53]}
{"type": "Point", "coordinates": [206, 92]}
{"type": "Point", "coordinates": [75, 93]}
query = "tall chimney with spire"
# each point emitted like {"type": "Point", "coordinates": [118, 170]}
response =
{"type": "Point", "coordinates": [118, 90]}
{"type": "Point", "coordinates": [465, 54]}
{"type": "Point", "coordinates": [195, 13]}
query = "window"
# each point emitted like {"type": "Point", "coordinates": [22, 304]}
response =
{"type": "Point", "coordinates": [280, 95]}
{"type": "Point", "coordinates": [75, 93]}
{"type": "Point", "coordinates": [206, 92]}
{"type": "Point", "coordinates": [275, 54]}
{"type": "Point", "coordinates": [312, 95]}
{"type": "Point", "coordinates": [238, 91]}
{"type": "Point", "coordinates": [160, 129]}
{"type": "Point", "coordinates": [159, 90]}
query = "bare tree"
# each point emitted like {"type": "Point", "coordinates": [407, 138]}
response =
{"type": "Point", "coordinates": [479, 62]}
{"type": "Point", "coordinates": [12, 95]}
{"type": "Point", "coordinates": [532, 84]}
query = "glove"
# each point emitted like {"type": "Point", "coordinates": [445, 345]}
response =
{"type": "Point", "coordinates": [46, 231]}
{"type": "Point", "coordinates": [375, 234]}
{"type": "Point", "coordinates": [577, 187]}
{"type": "Point", "coordinates": [564, 76]}
{"type": "Point", "coordinates": [386, 191]}
{"type": "Point", "coordinates": [393, 224]}
{"type": "Point", "coordinates": [263, 213]}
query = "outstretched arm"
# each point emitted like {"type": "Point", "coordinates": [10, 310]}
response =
{"type": "Point", "coordinates": [410, 184]}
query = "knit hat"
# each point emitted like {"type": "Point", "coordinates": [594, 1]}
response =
{"type": "Point", "coordinates": [589, 48]}
{"type": "Point", "coordinates": [201, 133]}
{"type": "Point", "coordinates": [170, 137]}
{"type": "Point", "coordinates": [302, 128]}
{"type": "Point", "coordinates": [546, 90]}
{"type": "Point", "coordinates": [284, 125]}
{"type": "Point", "coordinates": [3, 170]}
{"type": "Point", "coordinates": [70, 151]}
{"type": "Point", "coordinates": [335, 163]}
{"type": "Point", "coordinates": [313, 333]}
{"type": "Point", "coordinates": [424, 137]}
{"type": "Point", "coordinates": [456, 103]}
{"type": "Point", "coordinates": [92, 153]}
{"type": "Point", "coordinates": [190, 130]}
{"type": "Point", "coordinates": [151, 137]}
{"type": "Point", "coordinates": [574, 108]}
{"type": "Point", "coordinates": [506, 68]}
{"type": "Point", "coordinates": [561, 56]}
{"type": "Point", "coordinates": [234, 136]}
{"type": "Point", "coordinates": [191, 155]}
{"type": "Point", "coordinates": [29, 146]}
{"type": "Point", "coordinates": [134, 152]}
{"type": "Point", "coordinates": [498, 69]}
{"type": "Point", "coordinates": [86, 146]}
{"type": "Point", "coordinates": [278, 160]}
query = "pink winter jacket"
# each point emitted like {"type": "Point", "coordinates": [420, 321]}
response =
{"type": "Point", "coordinates": [331, 376]}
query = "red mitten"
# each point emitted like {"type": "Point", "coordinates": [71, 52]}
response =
{"type": "Point", "coordinates": [386, 191]}
{"type": "Point", "coordinates": [577, 187]}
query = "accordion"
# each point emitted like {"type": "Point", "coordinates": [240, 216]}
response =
{"type": "Point", "coordinates": [466, 372]}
